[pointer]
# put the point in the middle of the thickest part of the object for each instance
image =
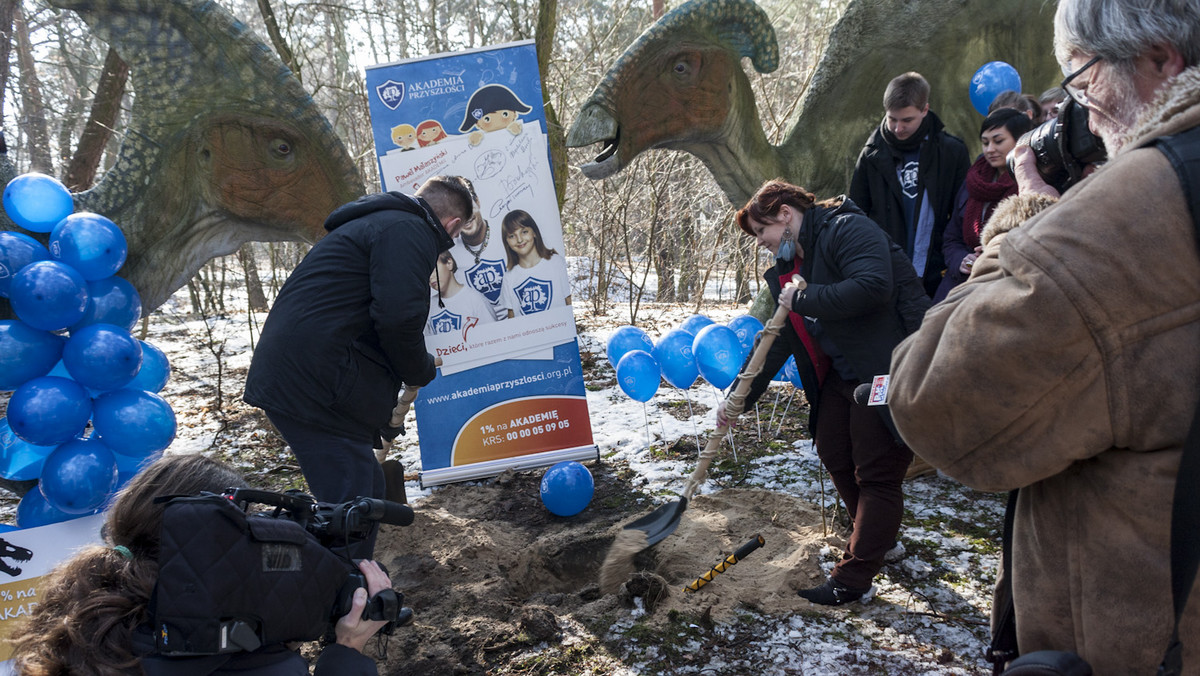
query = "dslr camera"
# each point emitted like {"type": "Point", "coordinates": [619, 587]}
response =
{"type": "Point", "coordinates": [1063, 147]}
{"type": "Point", "coordinates": [231, 579]}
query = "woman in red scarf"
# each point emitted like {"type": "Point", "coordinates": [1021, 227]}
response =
{"type": "Point", "coordinates": [988, 182]}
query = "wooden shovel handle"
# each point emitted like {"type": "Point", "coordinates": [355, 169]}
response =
{"type": "Point", "coordinates": [735, 402]}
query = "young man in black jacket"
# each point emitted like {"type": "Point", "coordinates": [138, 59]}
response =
{"type": "Point", "coordinates": [908, 173]}
{"type": "Point", "coordinates": [346, 333]}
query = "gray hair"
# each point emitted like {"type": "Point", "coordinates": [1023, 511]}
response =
{"type": "Point", "coordinates": [1120, 30]}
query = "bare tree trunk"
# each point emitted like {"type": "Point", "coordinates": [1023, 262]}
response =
{"type": "Point", "coordinates": [277, 41]}
{"type": "Point", "coordinates": [254, 290]}
{"type": "Point", "coordinates": [81, 170]}
{"type": "Point", "coordinates": [8, 9]}
{"type": "Point", "coordinates": [543, 39]}
{"type": "Point", "coordinates": [34, 117]}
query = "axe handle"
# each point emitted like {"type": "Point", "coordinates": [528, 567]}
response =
{"type": "Point", "coordinates": [407, 397]}
{"type": "Point", "coordinates": [736, 400]}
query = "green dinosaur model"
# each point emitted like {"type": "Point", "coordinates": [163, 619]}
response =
{"type": "Point", "coordinates": [681, 86]}
{"type": "Point", "coordinates": [224, 145]}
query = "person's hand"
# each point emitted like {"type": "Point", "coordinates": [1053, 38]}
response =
{"type": "Point", "coordinates": [968, 261]}
{"type": "Point", "coordinates": [1026, 174]}
{"type": "Point", "coordinates": [352, 631]}
{"type": "Point", "coordinates": [722, 419]}
{"type": "Point", "coordinates": [788, 294]}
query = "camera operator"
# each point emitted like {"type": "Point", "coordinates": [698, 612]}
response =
{"type": "Point", "coordinates": [92, 611]}
{"type": "Point", "coordinates": [1066, 366]}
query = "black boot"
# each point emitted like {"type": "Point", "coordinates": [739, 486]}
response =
{"type": "Point", "coordinates": [832, 593]}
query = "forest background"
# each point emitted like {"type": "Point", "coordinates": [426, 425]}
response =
{"type": "Point", "coordinates": [660, 226]}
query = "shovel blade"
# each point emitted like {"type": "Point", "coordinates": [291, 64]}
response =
{"type": "Point", "coordinates": [661, 522]}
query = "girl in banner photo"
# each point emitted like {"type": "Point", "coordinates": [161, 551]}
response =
{"type": "Point", "coordinates": [456, 306]}
{"type": "Point", "coordinates": [536, 279]}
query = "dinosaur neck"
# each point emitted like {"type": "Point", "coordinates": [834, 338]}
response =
{"type": "Point", "coordinates": [740, 157]}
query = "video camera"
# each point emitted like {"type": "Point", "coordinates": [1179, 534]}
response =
{"type": "Point", "coordinates": [1063, 147]}
{"type": "Point", "coordinates": [232, 580]}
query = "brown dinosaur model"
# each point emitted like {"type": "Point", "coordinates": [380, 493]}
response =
{"type": "Point", "coordinates": [681, 86]}
{"type": "Point", "coordinates": [224, 145]}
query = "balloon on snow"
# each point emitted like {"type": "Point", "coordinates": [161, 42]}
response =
{"type": "Point", "coordinates": [79, 476]}
{"type": "Point", "coordinates": [102, 356]}
{"type": "Point", "coordinates": [37, 202]}
{"type": "Point", "coordinates": [567, 488]}
{"type": "Point", "coordinates": [16, 251]}
{"type": "Point", "coordinates": [49, 295]}
{"type": "Point", "coordinates": [90, 243]}
{"type": "Point", "coordinates": [155, 371]}
{"type": "Point", "coordinates": [19, 459]}
{"type": "Point", "coordinates": [625, 339]}
{"type": "Point", "coordinates": [673, 352]}
{"type": "Point", "coordinates": [747, 328]}
{"type": "Point", "coordinates": [694, 323]}
{"type": "Point", "coordinates": [48, 411]}
{"type": "Point", "coordinates": [718, 355]}
{"type": "Point", "coordinates": [638, 375]}
{"type": "Point", "coordinates": [111, 300]}
{"type": "Point", "coordinates": [991, 80]}
{"type": "Point", "coordinates": [134, 422]}
{"type": "Point", "coordinates": [25, 353]}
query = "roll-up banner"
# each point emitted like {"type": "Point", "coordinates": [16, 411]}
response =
{"type": "Point", "coordinates": [510, 392]}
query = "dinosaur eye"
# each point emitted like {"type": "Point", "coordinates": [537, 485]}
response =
{"type": "Point", "coordinates": [280, 148]}
{"type": "Point", "coordinates": [681, 68]}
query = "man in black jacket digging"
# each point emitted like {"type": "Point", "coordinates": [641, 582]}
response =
{"type": "Point", "coordinates": [908, 173]}
{"type": "Point", "coordinates": [346, 334]}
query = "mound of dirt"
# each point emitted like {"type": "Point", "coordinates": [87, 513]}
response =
{"type": "Point", "coordinates": [488, 570]}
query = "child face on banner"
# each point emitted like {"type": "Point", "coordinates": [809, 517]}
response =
{"type": "Point", "coordinates": [521, 241]}
{"type": "Point", "coordinates": [497, 120]}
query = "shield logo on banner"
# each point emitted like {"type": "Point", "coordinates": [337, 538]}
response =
{"type": "Point", "coordinates": [445, 322]}
{"type": "Point", "coordinates": [534, 295]}
{"type": "Point", "coordinates": [391, 93]}
{"type": "Point", "coordinates": [485, 277]}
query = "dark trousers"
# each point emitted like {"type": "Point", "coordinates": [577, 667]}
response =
{"type": "Point", "coordinates": [867, 465]}
{"type": "Point", "coordinates": [337, 469]}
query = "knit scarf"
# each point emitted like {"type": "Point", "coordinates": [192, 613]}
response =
{"type": "Point", "coordinates": [982, 194]}
{"type": "Point", "coordinates": [899, 147]}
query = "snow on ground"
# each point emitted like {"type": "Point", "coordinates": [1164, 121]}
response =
{"type": "Point", "coordinates": [930, 614]}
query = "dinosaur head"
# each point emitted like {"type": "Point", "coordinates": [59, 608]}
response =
{"type": "Point", "coordinates": [674, 85]}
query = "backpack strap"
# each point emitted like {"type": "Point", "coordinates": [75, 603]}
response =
{"type": "Point", "coordinates": [1183, 151]}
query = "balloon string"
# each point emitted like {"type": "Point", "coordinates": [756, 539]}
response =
{"type": "Point", "coordinates": [692, 417]}
{"type": "Point", "coordinates": [646, 412]}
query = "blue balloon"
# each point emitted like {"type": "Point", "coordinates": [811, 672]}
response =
{"type": "Point", "coordinates": [49, 295]}
{"type": "Point", "coordinates": [746, 327]}
{"type": "Point", "coordinates": [638, 375]}
{"type": "Point", "coordinates": [37, 202]}
{"type": "Point", "coordinates": [674, 356]}
{"type": "Point", "coordinates": [991, 80]}
{"type": "Point", "coordinates": [79, 476]}
{"type": "Point", "coordinates": [48, 411]}
{"type": "Point", "coordinates": [567, 488]}
{"type": "Point", "coordinates": [102, 357]}
{"type": "Point", "coordinates": [129, 466]}
{"type": "Point", "coordinates": [25, 353]}
{"type": "Point", "coordinates": [694, 323]}
{"type": "Point", "coordinates": [16, 251]}
{"type": "Point", "coordinates": [90, 243]}
{"type": "Point", "coordinates": [781, 375]}
{"type": "Point", "coordinates": [625, 339]}
{"type": "Point", "coordinates": [34, 511]}
{"type": "Point", "coordinates": [134, 422]}
{"type": "Point", "coordinates": [792, 372]}
{"type": "Point", "coordinates": [155, 371]}
{"type": "Point", "coordinates": [19, 459]}
{"type": "Point", "coordinates": [718, 355]}
{"type": "Point", "coordinates": [111, 300]}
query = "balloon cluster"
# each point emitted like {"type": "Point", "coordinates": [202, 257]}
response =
{"type": "Point", "coordinates": [84, 415]}
{"type": "Point", "coordinates": [700, 347]}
